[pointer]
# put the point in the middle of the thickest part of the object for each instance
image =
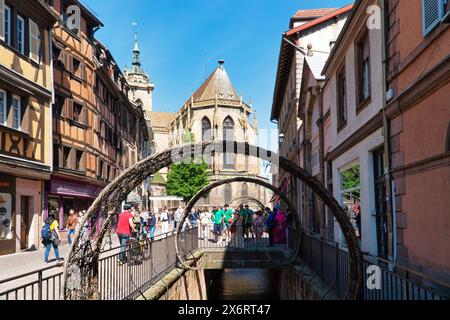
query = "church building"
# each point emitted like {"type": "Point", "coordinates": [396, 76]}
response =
{"type": "Point", "coordinates": [216, 112]}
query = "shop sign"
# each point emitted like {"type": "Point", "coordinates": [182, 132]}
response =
{"type": "Point", "coordinates": [74, 189]}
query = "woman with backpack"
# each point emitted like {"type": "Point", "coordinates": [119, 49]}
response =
{"type": "Point", "coordinates": [51, 237]}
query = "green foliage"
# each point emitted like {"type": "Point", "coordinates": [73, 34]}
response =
{"type": "Point", "coordinates": [351, 180]}
{"type": "Point", "coordinates": [188, 136]}
{"type": "Point", "coordinates": [186, 179]}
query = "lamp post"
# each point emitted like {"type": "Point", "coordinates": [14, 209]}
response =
{"type": "Point", "coordinates": [281, 138]}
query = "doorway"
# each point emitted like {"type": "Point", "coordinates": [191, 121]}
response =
{"type": "Point", "coordinates": [380, 201]}
{"type": "Point", "coordinates": [24, 221]}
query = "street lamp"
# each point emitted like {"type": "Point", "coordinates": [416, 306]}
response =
{"type": "Point", "coordinates": [281, 138]}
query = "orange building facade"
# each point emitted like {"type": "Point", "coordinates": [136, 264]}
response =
{"type": "Point", "coordinates": [418, 74]}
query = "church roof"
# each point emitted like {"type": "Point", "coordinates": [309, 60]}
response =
{"type": "Point", "coordinates": [219, 82]}
{"type": "Point", "coordinates": [161, 119]}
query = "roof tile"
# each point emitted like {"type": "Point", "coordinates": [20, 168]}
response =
{"type": "Point", "coordinates": [313, 13]}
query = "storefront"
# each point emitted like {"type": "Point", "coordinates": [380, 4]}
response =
{"type": "Point", "coordinates": [63, 195]}
{"type": "Point", "coordinates": [7, 216]}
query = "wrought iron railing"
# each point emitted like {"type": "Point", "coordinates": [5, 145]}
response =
{"type": "Point", "coordinates": [148, 261]}
{"type": "Point", "coordinates": [330, 263]}
{"type": "Point", "coordinates": [208, 239]}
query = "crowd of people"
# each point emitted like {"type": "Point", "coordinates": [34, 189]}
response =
{"type": "Point", "coordinates": [217, 224]}
{"type": "Point", "coordinates": [241, 223]}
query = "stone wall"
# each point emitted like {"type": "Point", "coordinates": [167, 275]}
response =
{"type": "Point", "coordinates": [179, 284]}
{"type": "Point", "coordinates": [297, 282]}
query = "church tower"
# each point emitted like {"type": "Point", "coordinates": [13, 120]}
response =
{"type": "Point", "coordinates": [139, 81]}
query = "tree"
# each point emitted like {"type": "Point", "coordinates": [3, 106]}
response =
{"type": "Point", "coordinates": [186, 179]}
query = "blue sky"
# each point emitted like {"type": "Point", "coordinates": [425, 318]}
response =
{"type": "Point", "coordinates": [180, 39]}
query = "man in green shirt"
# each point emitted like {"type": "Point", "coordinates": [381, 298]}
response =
{"type": "Point", "coordinates": [248, 221]}
{"type": "Point", "coordinates": [218, 218]}
{"type": "Point", "coordinates": [228, 216]}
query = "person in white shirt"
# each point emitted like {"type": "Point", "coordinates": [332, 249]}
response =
{"type": "Point", "coordinates": [205, 223]}
{"type": "Point", "coordinates": [177, 217]}
{"type": "Point", "coordinates": [164, 220]}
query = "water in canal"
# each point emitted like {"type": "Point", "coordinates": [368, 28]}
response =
{"type": "Point", "coordinates": [240, 284]}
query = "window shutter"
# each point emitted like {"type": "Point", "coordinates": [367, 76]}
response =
{"type": "Point", "coordinates": [104, 175]}
{"type": "Point", "coordinates": [34, 40]}
{"type": "Point", "coordinates": [2, 19]}
{"type": "Point", "coordinates": [84, 114]}
{"type": "Point", "coordinates": [69, 62]}
{"type": "Point", "coordinates": [65, 59]}
{"type": "Point", "coordinates": [83, 71]}
{"type": "Point", "coordinates": [433, 11]}
{"type": "Point", "coordinates": [72, 159]}
{"type": "Point", "coordinates": [95, 123]}
{"type": "Point", "coordinates": [69, 109]}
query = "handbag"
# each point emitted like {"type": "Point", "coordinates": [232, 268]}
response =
{"type": "Point", "coordinates": [55, 239]}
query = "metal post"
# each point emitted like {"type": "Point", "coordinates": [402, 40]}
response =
{"type": "Point", "coordinates": [321, 258]}
{"type": "Point", "coordinates": [40, 285]}
{"type": "Point", "coordinates": [337, 271]}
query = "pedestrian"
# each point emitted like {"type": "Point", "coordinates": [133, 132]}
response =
{"type": "Point", "coordinates": [165, 218]}
{"type": "Point", "coordinates": [71, 225]}
{"type": "Point", "coordinates": [177, 217]}
{"type": "Point", "coordinates": [258, 226]}
{"type": "Point", "coordinates": [152, 221]}
{"type": "Point", "coordinates": [356, 208]}
{"type": "Point", "coordinates": [270, 222]}
{"type": "Point", "coordinates": [125, 227]}
{"type": "Point", "coordinates": [279, 232]}
{"type": "Point", "coordinates": [51, 237]}
{"type": "Point", "coordinates": [248, 221]}
{"type": "Point", "coordinates": [235, 224]}
{"type": "Point", "coordinates": [205, 222]}
{"type": "Point", "coordinates": [228, 216]}
{"type": "Point", "coordinates": [219, 217]}
{"type": "Point", "coordinates": [137, 224]}
{"type": "Point", "coordinates": [144, 223]}
{"type": "Point", "coordinates": [193, 218]}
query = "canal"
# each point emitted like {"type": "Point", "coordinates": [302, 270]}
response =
{"type": "Point", "coordinates": [240, 284]}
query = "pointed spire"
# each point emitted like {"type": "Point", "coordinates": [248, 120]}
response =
{"type": "Point", "coordinates": [136, 55]}
{"type": "Point", "coordinates": [136, 65]}
{"type": "Point", "coordinates": [136, 46]}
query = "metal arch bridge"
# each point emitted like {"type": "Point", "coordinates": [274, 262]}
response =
{"type": "Point", "coordinates": [81, 270]}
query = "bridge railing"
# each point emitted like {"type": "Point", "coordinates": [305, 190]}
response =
{"type": "Point", "coordinates": [329, 262]}
{"type": "Point", "coordinates": [147, 262]}
{"type": "Point", "coordinates": [233, 240]}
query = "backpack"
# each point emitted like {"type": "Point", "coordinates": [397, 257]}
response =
{"type": "Point", "coordinates": [46, 233]}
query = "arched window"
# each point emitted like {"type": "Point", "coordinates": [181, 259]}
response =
{"type": "Point", "coordinates": [244, 190]}
{"type": "Point", "coordinates": [206, 136]}
{"type": "Point", "coordinates": [228, 135]}
{"type": "Point", "coordinates": [228, 193]}
{"type": "Point", "coordinates": [153, 148]}
{"type": "Point", "coordinates": [206, 129]}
